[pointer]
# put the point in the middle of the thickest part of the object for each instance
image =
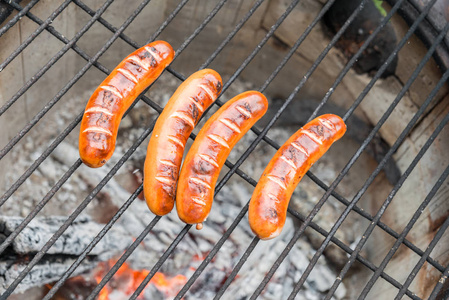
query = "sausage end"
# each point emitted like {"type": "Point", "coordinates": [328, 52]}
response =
{"type": "Point", "coordinates": [159, 210]}
{"type": "Point", "coordinates": [214, 79]}
{"type": "Point", "coordinates": [190, 213]}
{"type": "Point", "coordinates": [95, 154]}
{"type": "Point", "coordinates": [264, 229]}
{"type": "Point", "coordinates": [158, 200]}
{"type": "Point", "coordinates": [164, 49]}
{"type": "Point", "coordinates": [338, 123]}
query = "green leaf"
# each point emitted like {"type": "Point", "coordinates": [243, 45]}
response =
{"type": "Point", "coordinates": [378, 4]}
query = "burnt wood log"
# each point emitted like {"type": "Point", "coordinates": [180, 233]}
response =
{"type": "Point", "coordinates": [48, 270]}
{"type": "Point", "coordinates": [61, 255]}
{"type": "Point", "coordinates": [364, 24]}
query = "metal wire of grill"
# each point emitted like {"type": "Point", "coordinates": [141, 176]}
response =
{"type": "Point", "coordinates": [307, 221]}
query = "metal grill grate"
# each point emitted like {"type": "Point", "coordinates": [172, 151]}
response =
{"type": "Point", "coordinates": [307, 221]}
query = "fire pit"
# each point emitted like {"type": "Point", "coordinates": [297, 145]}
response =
{"type": "Point", "coordinates": [368, 222]}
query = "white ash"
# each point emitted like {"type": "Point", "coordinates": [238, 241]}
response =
{"type": "Point", "coordinates": [72, 242]}
{"type": "Point", "coordinates": [61, 255]}
{"type": "Point", "coordinates": [48, 270]}
{"type": "Point", "coordinates": [193, 248]}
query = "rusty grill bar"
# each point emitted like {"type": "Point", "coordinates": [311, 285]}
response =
{"type": "Point", "coordinates": [307, 221]}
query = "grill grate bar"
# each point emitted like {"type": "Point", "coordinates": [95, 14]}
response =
{"type": "Point", "coordinates": [57, 186]}
{"type": "Point", "coordinates": [127, 39]}
{"type": "Point", "coordinates": [48, 65]}
{"type": "Point", "coordinates": [436, 290]}
{"type": "Point", "coordinates": [17, 17]}
{"type": "Point", "coordinates": [404, 233]}
{"type": "Point", "coordinates": [94, 242]}
{"type": "Point", "coordinates": [381, 211]}
{"type": "Point", "coordinates": [429, 249]}
{"type": "Point", "coordinates": [358, 153]}
{"type": "Point", "coordinates": [200, 28]}
{"type": "Point", "coordinates": [123, 258]}
{"type": "Point", "coordinates": [237, 268]}
{"type": "Point", "coordinates": [354, 59]}
{"type": "Point", "coordinates": [296, 45]}
{"type": "Point", "coordinates": [205, 262]}
{"type": "Point", "coordinates": [162, 259]}
{"type": "Point", "coordinates": [60, 138]}
{"type": "Point", "coordinates": [272, 76]}
{"type": "Point", "coordinates": [35, 34]}
{"type": "Point", "coordinates": [28, 127]}
{"type": "Point", "coordinates": [259, 137]}
{"type": "Point", "coordinates": [47, 198]}
{"type": "Point", "coordinates": [232, 34]}
{"type": "Point", "coordinates": [315, 179]}
{"type": "Point", "coordinates": [228, 232]}
{"type": "Point", "coordinates": [108, 25]}
{"type": "Point", "coordinates": [236, 165]}
{"type": "Point", "coordinates": [170, 249]}
{"type": "Point", "coordinates": [362, 213]}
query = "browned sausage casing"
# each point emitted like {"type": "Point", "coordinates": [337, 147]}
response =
{"type": "Point", "coordinates": [209, 152]}
{"type": "Point", "coordinates": [170, 135]}
{"type": "Point", "coordinates": [268, 205]}
{"type": "Point", "coordinates": [114, 96]}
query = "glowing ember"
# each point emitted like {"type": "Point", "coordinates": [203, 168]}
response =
{"type": "Point", "coordinates": [127, 280]}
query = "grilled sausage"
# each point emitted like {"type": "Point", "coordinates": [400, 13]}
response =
{"type": "Point", "coordinates": [269, 202]}
{"type": "Point", "coordinates": [170, 134]}
{"type": "Point", "coordinates": [114, 96]}
{"type": "Point", "coordinates": [209, 152]}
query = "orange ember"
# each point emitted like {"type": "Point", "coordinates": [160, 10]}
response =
{"type": "Point", "coordinates": [127, 280]}
{"type": "Point", "coordinates": [169, 286]}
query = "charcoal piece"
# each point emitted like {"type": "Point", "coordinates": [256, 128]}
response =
{"type": "Point", "coordinates": [72, 242]}
{"type": "Point", "coordinates": [360, 29]}
{"type": "Point", "coordinates": [60, 256]}
{"type": "Point", "coordinates": [79, 287]}
{"type": "Point", "coordinates": [49, 269]}
{"type": "Point", "coordinates": [5, 11]}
